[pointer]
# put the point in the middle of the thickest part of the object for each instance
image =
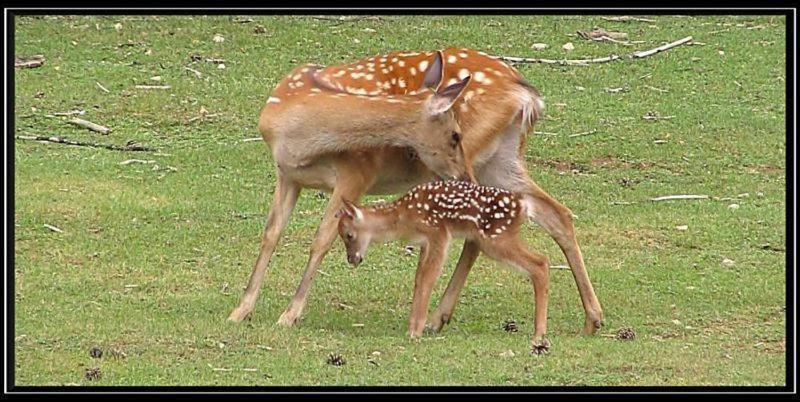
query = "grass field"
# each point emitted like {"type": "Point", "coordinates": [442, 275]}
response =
{"type": "Point", "coordinates": [151, 258]}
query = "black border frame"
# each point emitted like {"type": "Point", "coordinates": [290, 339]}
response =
{"type": "Point", "coordinates": [182, 391]}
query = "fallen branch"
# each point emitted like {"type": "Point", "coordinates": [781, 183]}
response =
{"type": "Point", "coordinates": [153, 87]}
{"type": "Point", "coordinates": [129, 161]}
{"type": "Point", "coordinates": [582, 134]}
{"type": "Point", "coordinates": [645, 53]}
{"type": "Point", "coordinates": [53, 228]}
{"type": "Point", "coordinates": [29, 62]}
{"type": "Point", "coordinates": [91, 126]}
{"type": "Point", "coordinates": [60, 140]}
{"type": "Point", "coordinates": [680, 197]}
{"type": "Point", "coordinates": [102, 87]}
{"type": "Point", "coordinates": [613, 57]}
{"type": "Point", "coordinates": [196, 73]}
{"type": "Point", "coordinates": [626, 18]}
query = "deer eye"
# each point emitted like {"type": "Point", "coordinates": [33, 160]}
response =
{"type": "Point", "coordinates": [456, 136]}
{"type": "Point", "coordinates": [350, 236]}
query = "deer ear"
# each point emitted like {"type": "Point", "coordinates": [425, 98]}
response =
{"type": "Point", "coordinates": [442, 101]}
{"type": "Point", "coordinates": [435, 73]}
{"type": "Point", "coordinates": [349, 209]}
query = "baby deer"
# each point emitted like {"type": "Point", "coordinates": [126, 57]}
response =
{"type": "Point", "coordinates": [430, 215]}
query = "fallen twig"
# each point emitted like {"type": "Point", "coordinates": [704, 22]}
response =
{"type": "Point", "coordinates": [102, 87]}
{"type": "Point", "coordinates": [53, 228]}
{"type": "Point", "coordinates": [129, 161]}
{"type": "Point", "coordinates": [252, 139]}
{"type": "Point", "coordinates": [656, 89]}
{"type": "Point", "coordinates": [655, 117]}
{"type": "Point", "coordinates": [560, 267]}
{"type": "Point", "coordinates": [153, 87]}
{"type": "Point", "coordinates": [196, 73]}
{"type": "Point", "coordinates": [627, 18]}
{"type": "Point", "coordinates": [680, 197]}
{"type": "Point", "coordinates": [29, 62]}
{"type": "Point", "coordinates": [346, 18]}
{"type": "Point", "coordinates": [544, 133]}
{"type": "Point", "coordinates": [582, 134]}
{"type": "Point", "coordinates": [60, 140]}
{"type": "Point", "coordinates": [645, 53]}
{"type": "Point", "coordinates": [613, 57]}
{"type": "Point", "coordinates": [91, 126]}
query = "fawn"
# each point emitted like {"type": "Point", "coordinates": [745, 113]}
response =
{"type": "Point", "coordinates": [430, 215]}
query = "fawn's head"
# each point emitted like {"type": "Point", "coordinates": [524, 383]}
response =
{"type": "Point", "coordinates": [354, 231]}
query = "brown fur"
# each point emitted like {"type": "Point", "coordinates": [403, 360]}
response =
{"type": "Point", "coordinates": [491, 116]}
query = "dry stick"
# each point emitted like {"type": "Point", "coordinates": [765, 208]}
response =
{"type": "Point", "coordinates": [196, 73]}
{"type": "Point", "coordinates": [680, 197]}
{"type": "Point", "coordinates": [102, 87]}
{"type": "Point", "coordinates": [89, 125]}
{"type": "Point", "coordinates": [153, 87]}
{"type": "Point", "coordinates": [613, 57]}
{"type": "Point", "coordinates": [582, 134]}
{"type": "Point", "coordinates": [60, 140]}
{"type": "Point", "coordinates": [626, 18]}
{"type": "Point", "coordinates": [29, 62]}
{"type": "Point", "coordinates": [645, 53]}
{"type": "Point", "coordinates": [252, 139]}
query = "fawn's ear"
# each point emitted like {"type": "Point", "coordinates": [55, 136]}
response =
{"type": "Point", "coordinates": [435, 72]}
{"type": "Point", "coordinates": [349, 209]}
{"type": "Point", "coordinates": [443, 100]}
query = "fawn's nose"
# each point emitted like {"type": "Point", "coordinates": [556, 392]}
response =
{"type": "Point", "coordinates": [354, 259]}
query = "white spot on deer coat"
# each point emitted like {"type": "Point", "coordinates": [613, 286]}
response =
{"type": "Point", "coordinates": [423, 65]}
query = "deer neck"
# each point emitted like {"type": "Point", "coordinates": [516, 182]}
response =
{"type": "Point", "coordinates": [384, 224]}
{"type": "Point", "coordinates": [371, 127]}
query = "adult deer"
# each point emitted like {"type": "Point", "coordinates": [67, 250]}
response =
{"type": "Point", "coordinates": [494, 114]}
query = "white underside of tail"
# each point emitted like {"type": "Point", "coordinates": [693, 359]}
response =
{"type": "Point", "coordinates": [531, 106]}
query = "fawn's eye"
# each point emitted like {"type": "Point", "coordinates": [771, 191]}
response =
{"type": "Point", "coordinates": [350, 236]}
{"type": "Point", "coordinates": [456, 136]}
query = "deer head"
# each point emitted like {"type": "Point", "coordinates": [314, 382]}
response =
{"type": "Point", "coordinates": [353, 229]}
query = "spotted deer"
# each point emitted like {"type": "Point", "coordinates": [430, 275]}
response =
{"type": "Point", "coordinates": [432, 214]}
{"type": "Point", "coordinates": [494, 113]}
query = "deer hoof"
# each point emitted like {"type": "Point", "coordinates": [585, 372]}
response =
{"type": "Point", "coordinates": [287, 319]}
{"type": "Point", "coordinates": [540, 347]}
{"type": "Point", "coordinates": [239, 314]}
{"type": "Point", "coordinates": [438, 321]}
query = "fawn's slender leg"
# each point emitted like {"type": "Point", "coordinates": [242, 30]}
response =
{"type": "Point", "coordinates": [444, 311]}
{"type": "Point", "coordinates": [537, 268]}
{"type": "Point", "coordinates": [431, 259]}
{"type": "Point", "coordinates": [283, 202]}
{"type": "Point", "coordinates": [348, 187]}
{"type": "Point", "coordinates": [556, 220]}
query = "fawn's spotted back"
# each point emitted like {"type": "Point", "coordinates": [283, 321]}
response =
{"type": "Point", "coordinates": [491, 210]}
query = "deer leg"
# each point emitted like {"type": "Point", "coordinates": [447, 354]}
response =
{"type": "Point", "coordinates": [536, 267]}
{"type": "Point", "coordinates": [283, 202]}
{"type": "Point", "coordinates": [444, 311]}
{"type": "Point", "coordinates": [323, 239]}
{"type": "Point", "coordinates": [431, 259]}
{"type": "Point", "coordinates": [506, 170]}
{"type": "Point", "coordinates": [556, 220]}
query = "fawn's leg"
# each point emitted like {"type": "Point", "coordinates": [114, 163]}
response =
{"type": "Point", "coordinates": [429, 268]}
{"type": "Point", "coordinates": [537, 268]}
{"type": "Point", "coordinates": [444, 311]}
{"type": "Point", "coordinates": [348, 187]}
{"type": "Point", "coordinates": [283, 202]}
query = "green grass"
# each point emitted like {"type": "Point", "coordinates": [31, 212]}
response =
{"type": "Point", "coordinates": [185, 230]}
